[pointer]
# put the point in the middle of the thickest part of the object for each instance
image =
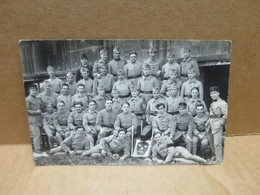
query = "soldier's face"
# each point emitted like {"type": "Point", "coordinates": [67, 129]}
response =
{"type": "Point", "coordinates": [85, 75]}
{"type": "Point", "coordinates": [174, 91]}
{"type": "Point", "coordinates": [214, 95]}
{"type": "Point", "coordinates": [185, 54]}
{"type": "Point", "coordinates": [157, 137]}
{"type": "Point", "coordinates": [78, 108]}
{"type": "Point", "coordinates": [109, 104]}
{"type": "Point", "coordinates": [60, 106]}
{"type": "Point", "coordinates": [49, 108]}
{"type": "Point", "coordinates": [33, 92]}
{"type": "Point", "coordinates": [125, 108]}
{"type": "Point", "coordinates": [103, 69]}
{"type": "Point", "coordinates": [133, 58]}
{"type": "Point", "coordinates": [104, 56]}
{"type": "Point", "coordinates": [120, 77]}
{"type": "Point", "coordinates": [161, 110]}
{"type": "Point", "coordinates": [84, 61]}
{"type": "Point", "coordinates": [121, 135]}
{"type": "Point", "coordinates": [146, 71]}
{"type": "Point", "coordinates": [156, 95]}
{"type": "Point", "coordinates": [170, 59]}
{"type": "Point", "coordinates": [51, 73]}
{"type": "Point", "coordinates": [65, 90]}
{"type": "Point", "coordinates": [101, 92]}
{"type": "Point", "coordinates": [191, 75]}
{"type": "Point", "coordinates": [194, 93]}
{"type": "Point", "coordinates": [115, 95]}
{"type": "Point", "coordinates": [199, 110]}
{"type": "Point", "coordinates": [47, 87]}
{"type": "Point", "coordinates": [92, 106]}
{"type": "Point", "coordinates": [182, 110]}
{"type": "Point", "coordinates": [152, 53]}
{"type": "Point", "coordinates": [81, 89]}
{"type": "Point", "coordinates": [134, 93]}
{"type": "Point", "coordinates": [173, 75]}
{"type": "Point", "coordinates": [116, 55]}
{"type": "Point", "coordinates": [70, 79]}
{"type": "Point", "coordinates": [80, 132]}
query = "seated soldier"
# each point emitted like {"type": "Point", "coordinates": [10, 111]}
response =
{"type": "Point", "coordinates": [48, 119]}
{"type": "Point", "coordinates": [111, 146]}
{"type": "Point", "coordinates": [162, 122]}
{"type": "Point", "coordinates": [106, 80]}
{"type": "Point", "coordinates": [75, 144]}
{"type": "Point", "coordinates": [117, 102]}
{"type": "Point", "coordinates": [170, 65]}
{"type": "Point", "coordinates": [105, 121]}
{"type": "Point", "coordinates": [56, 83]}
{"type": "Point", "coordinates": [87, 82]}
{"type": "Point", "coordinates": [76, 117]}
{"type": "Point", "coordinates": [65, 96]}
{"type": "Point", "coordinates": [172, 81]}
{"type": "Point", "coordinates": [126, 120]}
{"type": "Point", "coordinates": [122, 85]}
{"type": "Point", "coordinates": [189, 84]}
{"type": "Point", "coordinates": [89, 120]}
{"type": "Point", "coordinates": [72, 84]}
{"type": "Point", "coordinates": [193, 101]}
{"type": "Point", "coordinates": [61, 122]}
{"type": "Point", "coordinates": [200, 134]}
{"type": "Point", "coordinates": [146, 84]}
{"type": "Point", "coordinates": [81, 96]}
{"type": "Point", "coordinates": [101, 98]}
{"type": "Point", "coordinates": [173, 101]}
{"type": "Point", "coordinates": [183, 126]}
{"type": "Point", "coordinates": [164, 147]}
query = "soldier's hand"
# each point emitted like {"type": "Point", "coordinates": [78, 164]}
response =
{"type": "Point", "coordinates": [38, 111]}
{"type": "Point", "coordinates": [200, 136]}
{"type": "Point", "coordinates": [116, 156]}
{"type": "Point", "coordinates": [103, 153]}
{"type": "Point", "coordinates": [71, 152]}
{"type": "Point", "coordinates": [98, 75]}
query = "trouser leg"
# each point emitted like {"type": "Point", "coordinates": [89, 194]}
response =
{"type": "Point", "coordinates": [50, 135]}
{"type": "Point", "coordinates": [93, 150]}
{"type": "Point", "coordinates": [194, 144]}
{"type": "Point", "coordinates": [188, 144]}
{"type": "Point", "coordinates": [186, 154]}
{"type": "Point", "coordinates": [211, 142]}
{"type": "Point", "coordinates": [36, 137]}
{"type": "Point", "coordinates": [218, 145]}
{"type": "Point", "coordinates": [170, 155]}
{"type": "Point", "coordinates": [102, 133]}
{"type": "Point", "coordinates": [55, 150]}
{"type": "Point", "coordinates": [204, 146]}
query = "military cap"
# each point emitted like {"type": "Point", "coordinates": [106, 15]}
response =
{"type": "Point", "coordinates": [103, 51]}
{"type": "Point", "coordinates": [214, 88]}
{"type": "Point", "coordinates": [170, 53]}
{"type": "Point", "coordinates": [182, 105]}
{"type": "Point", "coordinates": [84, 56]}
{"type": "Point", "coordinates": [160, 104]}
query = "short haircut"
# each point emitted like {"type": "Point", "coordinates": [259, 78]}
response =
{"type": "Point", "coordinates": [61, 101]}
{"type": "Point", "coordinates": [121, 129]}
{"type": "Point", "coordinates": [108, 100]}
{"type": "Point", "coordinates": [33, 86]}
{"type": "Point", "coordinates": [199, 105]}
{"type": "Point", "coordinates": [46, 82]}
{"type": "Point", "coordinates": [156, 90]}
{"type": "Point", "coordinates": [132, 52]}
{"type": "Point", "coordinates": [146, 66]}
{"type": "Point", "coordinates": [194, 88]}
{"type": "Point", "coordinates": [93, 101]}
{"type": "Point", "coordinates": [80, 127]}
{"type": "Point", "coordinates": [84, 56]}
{"type": "Point", "coordinates": [49, 103]}
{"type": "Point", "coordinates": [170, 53]}
{"type": "Point", "coordinates": [185, 49]}
{"type": "Point", "coordinates": [100, 87]}
{"type": "Point", "coordinates": [159, 105]}
{"type": "Point", "coordinates": [103, 64]}
{"type": "Point", "coordinates": [78, 103]}
{"type": "Point", "coordinates": [116, 49]}
{"type": "Point", "coordinates": [103, 51]}
{"type": "Point", "coordinates": [182, 105]}
{"type": "Point", "coordinates": [134, 88]}
{"type": "Point", "coordinates": [126, 103]}
{"type": "Point", "coordinates": [51, 68]}
{"type": "Point", "coordinates": [173, 71]}
{"type": "Point", "coordinates": [81, 84]}
{"type": "Point", "coordinates": [69, 74]}
{"type": "Point", "coordinates": [120, 72]}
{"type": "Point", "coordinates": [191, 70]}
{"type": "Point", "coordinates": [83, 70]}
{"type": "Point", "coordinates": [65, 84]}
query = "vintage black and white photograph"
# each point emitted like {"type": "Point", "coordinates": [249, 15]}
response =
{"type": "Point", "coordinates": [126, 102]}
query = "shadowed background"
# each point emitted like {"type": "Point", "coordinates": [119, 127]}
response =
{"type": "Point", "coordinates": [233, 20]}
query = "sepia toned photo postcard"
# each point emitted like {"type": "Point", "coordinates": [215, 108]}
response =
{"type": "Point", "coordinates": [126, 102]}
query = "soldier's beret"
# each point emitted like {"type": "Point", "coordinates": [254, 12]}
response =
{"type": "Point", "coordinates": [214, 88]}
{"type": "Point", "coordinates": [103, 51]}
{"type": "Point", "coordinates": [182, 105]}
{"type": "Point", "coordinates": [160, 104]}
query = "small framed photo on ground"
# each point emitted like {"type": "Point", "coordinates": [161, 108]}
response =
{"type": "Point", "coordinates": [126, 102]}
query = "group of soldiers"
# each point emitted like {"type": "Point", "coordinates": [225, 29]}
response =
{"type": "Point", "coordinates": [99, 109]}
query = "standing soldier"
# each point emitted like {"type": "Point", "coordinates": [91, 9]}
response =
{"type": "Point", "coordinates": [189, 84]}
{"type": "Point", "coordinates": [217, 120]}
{"type": "Point", "coordinates": [173, 101]}
{"type": "Point", "coordinates": [72, 84]}
{"type": "Point", "coordinates": [170, 65]}
{"type": "Point", "coordinates": [126, 120]}
{"type": "Point", "coordinates": [183, 126]}
{"type": "Point", "coordinates": [200, 132]}
{"type": "Point", "coordinates": [154, 62]}
{"type": "Point", "coordinates": [105, 121]}
{"type": "Point", "coordinates": [146, 84]}
{"type": "Point", "coordinates": [81, 96]}
{"type": "Point", "coordinates": [65, 96]}
{"type": "Point", "coordinates": [61, 122]}
{"type": "Point", "coordinates": [84, 64]}
{"type": "Point", "coordinates": [48, 96]}
{"type": "Point", "coordinates": [89, 120]}
{"type": "Point", "coordinates": [56, 83]}
{"type": "Point", "coordinates": [76, 117]}
{"type": "Point", "coordinates": [187, 64]}
{"type": "Point", "coordinates": [162, 122]}
{"type": "Point", "coordinates": [133, 69]}
{"type": "Point", "coordinates": [117, 63]}
{"type": "Point", "coordinates": [103, 60]}
{"type": "Point", "coordinates": [88, 82]}
{"type": "Point", "coordinates": [33, 105]}
{"type": "Point", "coordinates": [191, 104]}
{"type": "Point", "coordinates": [105, 79]}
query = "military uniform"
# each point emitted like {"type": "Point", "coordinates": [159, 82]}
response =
{"type": "Point", "coordinates": [191, 105]}
{"type": "Point", "coordinates": [201, 123]}
{"type": "Point", "coordinates": [133, 72]}
{"type": "Point", "coordinates": [188, 85]}
{"type": "Point", "coordinates": [72, 88]}
{"type": "Point", "coordinates": [105, 123]}
{"type": "Point", "coordinates": [74, 143]}
{"type": "Point", "coordinates": [217, 120]}
{"type": "Point", "coordinates": [100, 102]}
{"type": "Point", "coordinates": [137, 106]}
{"type": "Point", "coordinates": [186, 65]}
{"type": "Point", "coordinates": [166, 68]}
{"type": "Point", "coordinates": [106, 81]}
{"type": "Point", "coordinates": [61, 125]}
{"type": "Point", "coordinates": [155, 65]}
{"type": "Point", "coordinates": [183, 126]}
{"type": "Point", "coordinates": [82, 98]}
{"type": "Point", "coordinates": [145, 85]}
{"type": "Point", "coordinates": [114, 65]}
{"type": "Point", "coordinates": [56, 84]}
{"type": "Point", "coordinates": [168, 84]}
{"type": "Point", "coordinates": [75, 119]}
{"type": "Point", "coordinates": [48, 126]}
{"type": "Point", "coordinates": [162, 123]}
{"type": "Point", "coordinates": [172, 104]}
{"type": "Point", "coordinates": [67, 99]}
{"type": "Point", "coordinates": [88, 85]}
{"type": "Point", "coordinates": [96, 67]}
{"type": "Point", "coordinates": [89, 123]}
{"type": "Point", "coordinates": [79, 70]}
{"type": "Point", "coordinates": [124, 88]}
{"type": "Point", "coordinates": [117, 105]}
{"type": "Point", "coordinates": [47, 98]}
{"type": "Point", "coordinates": [33, 104]}
{"type": "Point", "coordinates": [151, 109]}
